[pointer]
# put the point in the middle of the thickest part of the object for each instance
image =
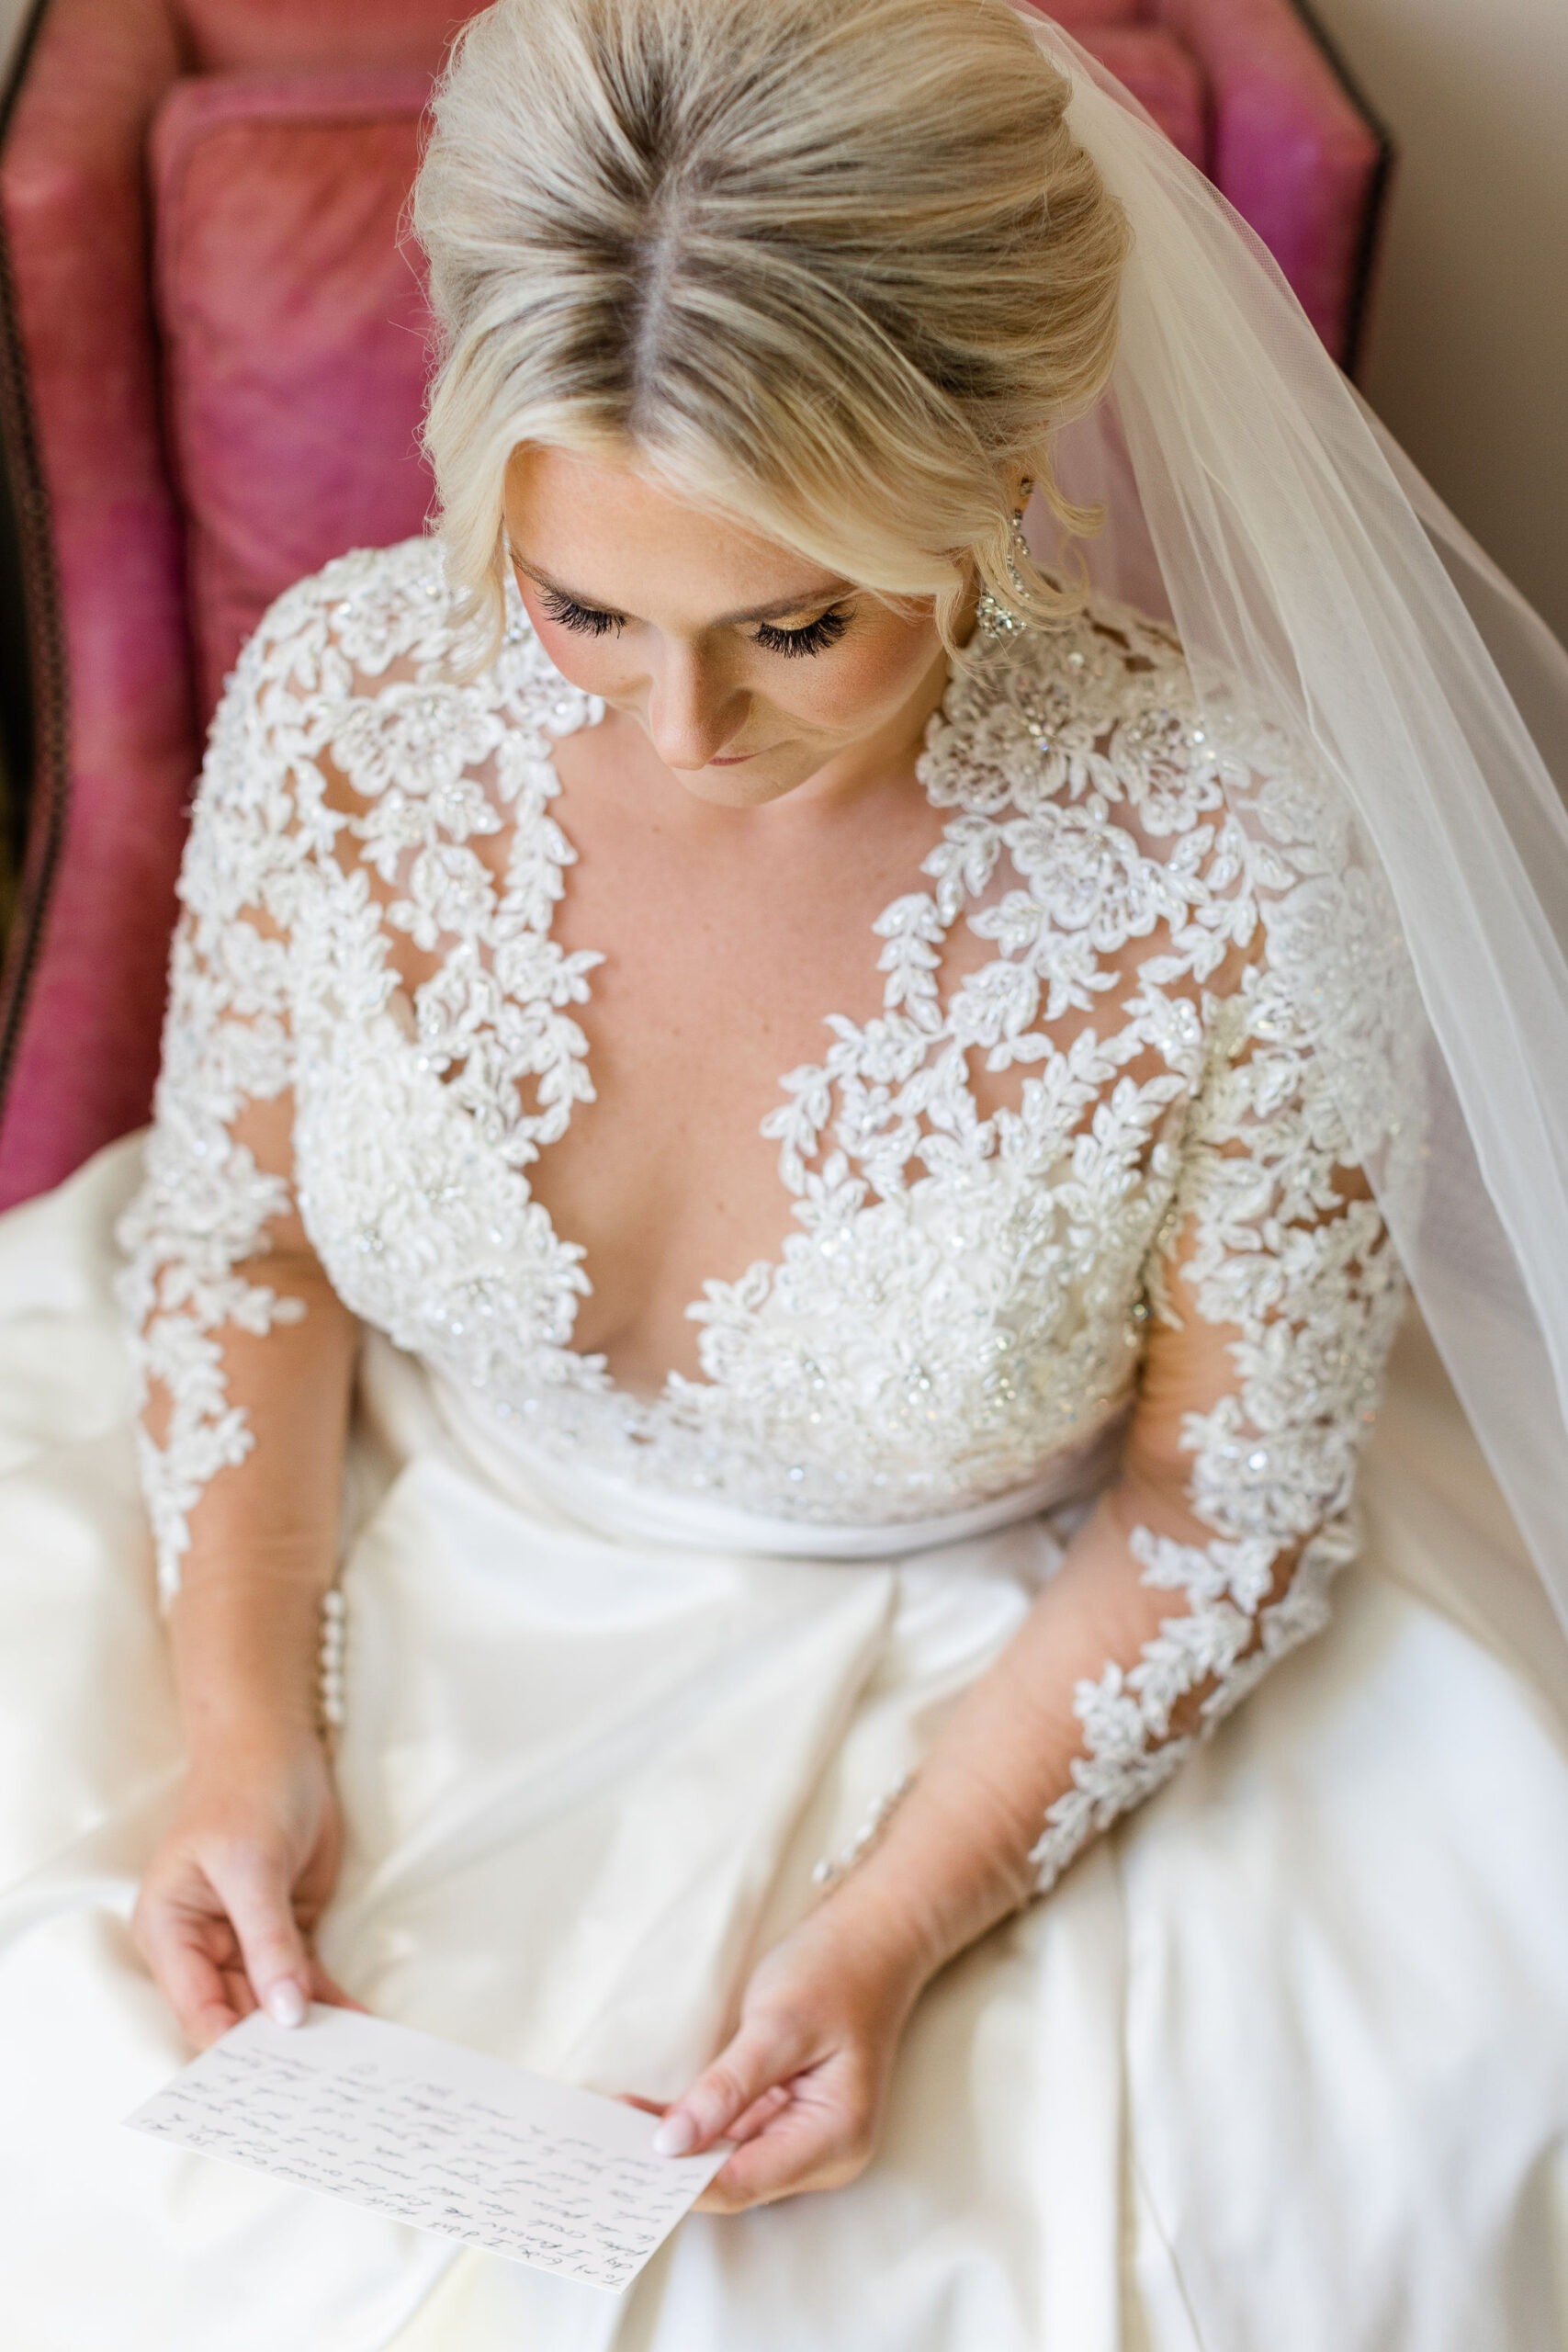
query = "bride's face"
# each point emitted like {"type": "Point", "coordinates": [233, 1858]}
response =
{"type": "Point", "coordinates": [751, 670]}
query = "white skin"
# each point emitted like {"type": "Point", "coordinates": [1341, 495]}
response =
{"type": "Point", "coordinates": [766, 790]}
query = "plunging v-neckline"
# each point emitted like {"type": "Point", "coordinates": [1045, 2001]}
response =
{"type": "Point", "coordinates": [761, 1274]}
{"type": "Point", "coordinates": [957, 1297]}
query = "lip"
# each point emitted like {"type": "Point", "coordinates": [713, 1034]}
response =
{"type": "Point", "coordinates": [737, 761]}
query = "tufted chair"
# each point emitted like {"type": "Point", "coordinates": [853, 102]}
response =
{"type": "Point", "coordinates": [212, 346]}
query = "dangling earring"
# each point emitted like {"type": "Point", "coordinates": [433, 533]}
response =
{"type": "Point", "coordinates": [1020, 545]}
{"type": "Point", "coordinates": [997, 620]}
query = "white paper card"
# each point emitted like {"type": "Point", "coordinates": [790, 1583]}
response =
{"type": "Point", "coordinates": [436, 2135]}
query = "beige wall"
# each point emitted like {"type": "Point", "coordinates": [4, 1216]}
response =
{"type": "Point", "coordinates": [13, 14]}
{"type": "Point", "coordinates": [1467, 358]}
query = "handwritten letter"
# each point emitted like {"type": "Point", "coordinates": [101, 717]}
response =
{"type": "Point", "coordinates": [438, 2136]}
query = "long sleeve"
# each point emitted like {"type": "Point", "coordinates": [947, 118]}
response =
{"type": "Point", "coordinates": [1273, 1295]}
{"type": "Point", "coordinates": [217, 1194]}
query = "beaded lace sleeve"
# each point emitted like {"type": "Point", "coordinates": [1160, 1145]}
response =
{"type": "Point", "coordinates": [1274, 1295]}
{"type": "Point", "coordinates": [217, 1184]}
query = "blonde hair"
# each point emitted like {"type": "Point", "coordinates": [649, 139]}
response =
{"type": "Point", "coordinates": [835, 269]}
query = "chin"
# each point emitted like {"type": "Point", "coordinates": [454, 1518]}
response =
{"type": "Point", "coordinates": [768, 776]}
{"type": "Point", "coordinates": [734, 788]}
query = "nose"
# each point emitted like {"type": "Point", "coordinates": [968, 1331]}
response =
{"type": "Point", "coordinates": [692, 711]}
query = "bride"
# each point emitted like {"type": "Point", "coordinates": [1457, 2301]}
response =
{"type": "Point", "coordinates": [791, 1143]}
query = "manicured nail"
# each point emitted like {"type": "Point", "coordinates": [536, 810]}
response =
{"type": "Point", "coordinates": [676, 2136]}
{"type": "Point", "coordinates": [286, 2003]}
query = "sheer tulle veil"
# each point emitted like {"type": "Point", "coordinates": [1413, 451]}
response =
{"type": "Point", "coordinates": [1416, 866]}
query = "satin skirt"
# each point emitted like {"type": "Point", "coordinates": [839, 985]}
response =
{"type": "Point", "coordinates": [1280, 2066]}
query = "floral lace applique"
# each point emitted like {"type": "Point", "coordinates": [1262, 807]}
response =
{"type": "Point", "coordinates": [205, 1206]}
{"type": "Point", "coordinates": [1308, 1280]}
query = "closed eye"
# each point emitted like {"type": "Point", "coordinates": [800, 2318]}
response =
{"type": "Point", "coordinates": [793, 644]}
{"type": "Point", "coordinates": [588, 620]}
{"type": "Point", "coordinates": [815, 637]}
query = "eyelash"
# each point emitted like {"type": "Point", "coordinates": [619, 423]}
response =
{"type": "Point", "coordinates": [815, 637]}
{"type": "Point", "coordinates": [793, 644]}
{"type": "Point", "coordinates": [586, 618]}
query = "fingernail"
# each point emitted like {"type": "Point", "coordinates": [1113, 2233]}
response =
{"type": "Point", "coordinates": [286, 2003]}
{"type": "Point", "coordinates": [676, 2136]}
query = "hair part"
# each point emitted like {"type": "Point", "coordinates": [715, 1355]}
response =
{"type": "Point", "coordinates": [835, 270]}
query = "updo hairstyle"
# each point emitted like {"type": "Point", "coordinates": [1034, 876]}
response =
{"type": "Point", "coordinates": [832, 269]}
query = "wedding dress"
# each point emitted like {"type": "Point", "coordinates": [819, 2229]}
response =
{"type": "Point", "coordinates": [1280, 2061]}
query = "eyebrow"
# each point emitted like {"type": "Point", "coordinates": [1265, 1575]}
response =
{"type": "Point", "coordinates": [771, 612]}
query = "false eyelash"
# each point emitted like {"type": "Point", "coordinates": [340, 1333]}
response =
{"type": "Point", "coordinates": [587, 619]}
{"type": "Point", "coordinates": [815, 637]}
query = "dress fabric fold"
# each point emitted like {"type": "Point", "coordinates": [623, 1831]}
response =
{"type": "Point", "coordinates": [1280, 2061]}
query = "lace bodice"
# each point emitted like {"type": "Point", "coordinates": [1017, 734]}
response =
{"type": "Point", "coordinates": [966, 1300]}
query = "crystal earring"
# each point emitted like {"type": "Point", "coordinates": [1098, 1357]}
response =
{"type": "Point", "coordinates": [994, 619]}
{"type": "Point", "coordinates": [1020, 545]}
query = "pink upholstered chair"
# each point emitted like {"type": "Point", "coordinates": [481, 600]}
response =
{"type": "Point", "coordinates": [213, 348]}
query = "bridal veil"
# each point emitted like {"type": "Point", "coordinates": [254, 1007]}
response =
{"type": "Point", "coordinates": [1415, 874]}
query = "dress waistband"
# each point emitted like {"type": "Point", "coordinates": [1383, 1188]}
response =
{"type": "Point", "coordinates": [637, 1512]}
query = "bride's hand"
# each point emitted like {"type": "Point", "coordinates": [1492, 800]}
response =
{"type": "Point", "coordinates": [226, 1910]}
{"type": "Point", "coordinates": [803, 2083]}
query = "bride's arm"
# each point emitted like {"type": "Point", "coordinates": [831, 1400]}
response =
{"type": "Point", "coordinates": [1274, 1297]}
{"type": "Point", "coordinates": [246, 1358]}
{"type": "Point", "coordinates": [245, 1621]}
{"type": "Point", "coordinates": [230, 1898]}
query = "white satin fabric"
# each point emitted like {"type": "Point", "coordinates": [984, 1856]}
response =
{"type": "Point", "coordinates": [1283, 2064]}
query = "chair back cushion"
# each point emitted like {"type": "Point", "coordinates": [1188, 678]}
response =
{"type": "Point", "coordinates": [295, 330]}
